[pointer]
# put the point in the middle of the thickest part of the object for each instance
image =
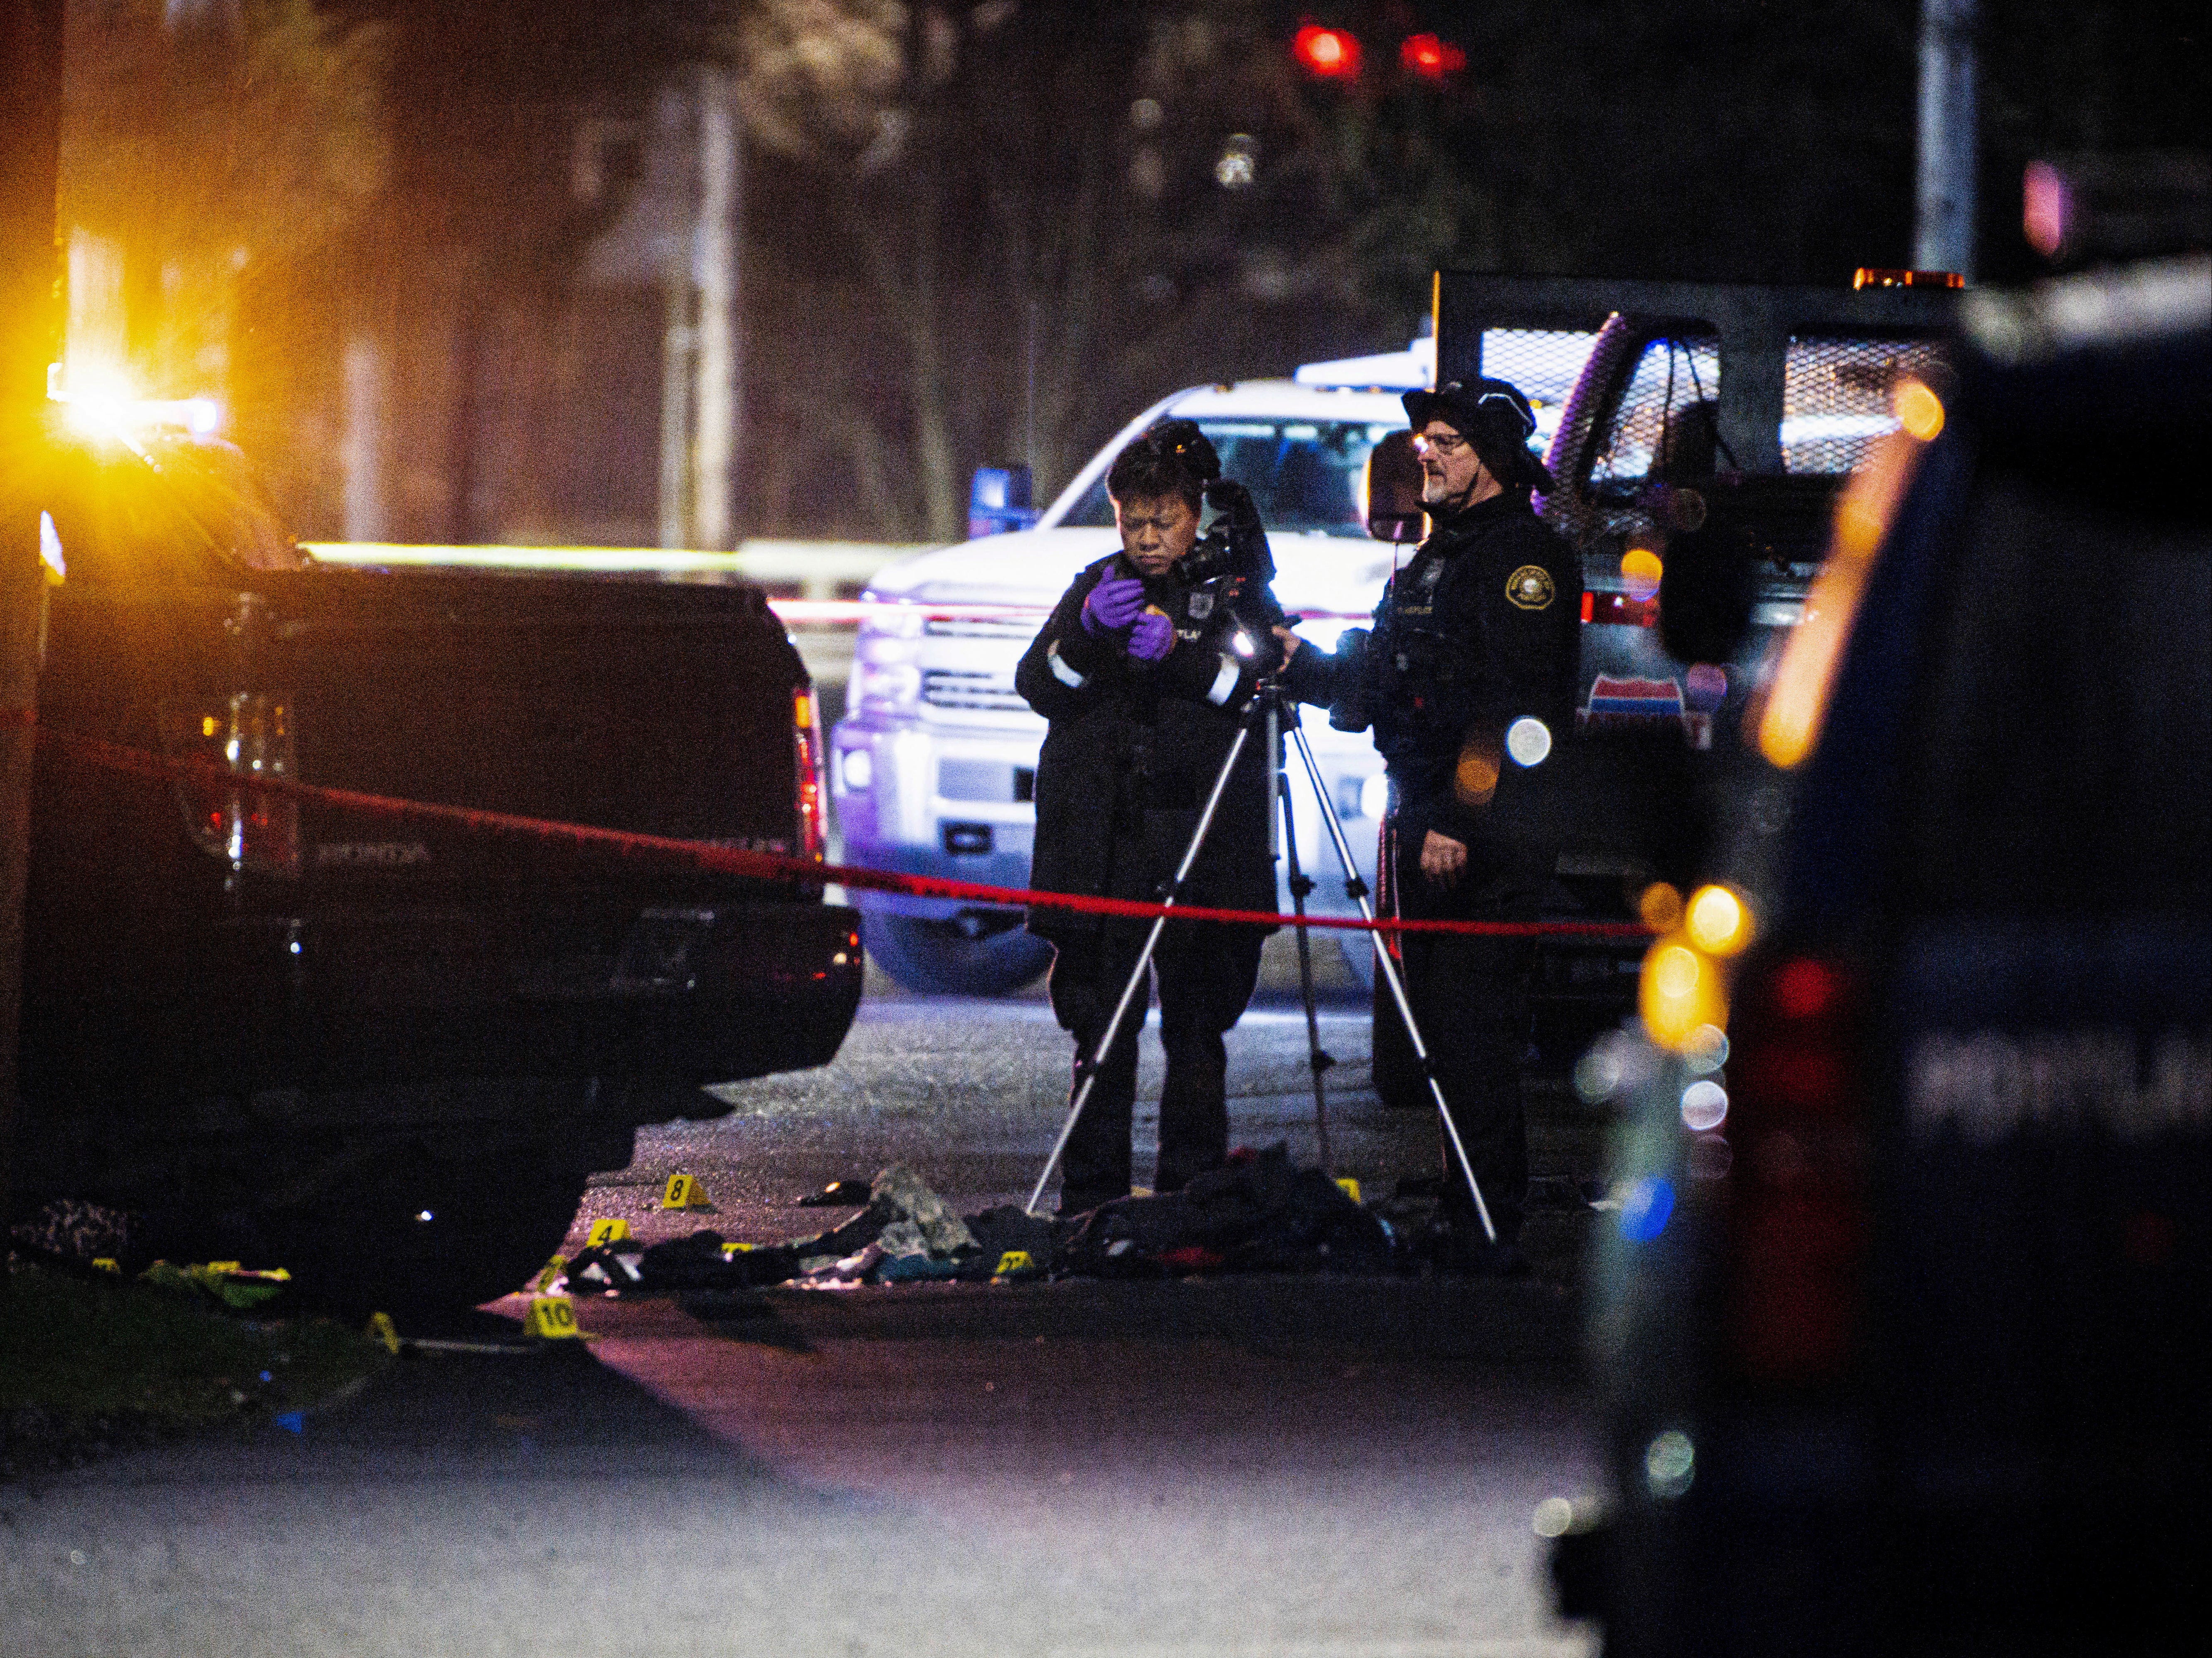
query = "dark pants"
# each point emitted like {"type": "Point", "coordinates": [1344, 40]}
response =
{"type": "Point", "coordinates": [1469, 996]}
{"type": "Point", "coordinates": [1205, 974]}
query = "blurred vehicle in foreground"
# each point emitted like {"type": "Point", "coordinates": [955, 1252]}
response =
{"type": "Point", "coordinates": [385, 1050]}
{"type": "Point", "coordinates": [1901, 1330]}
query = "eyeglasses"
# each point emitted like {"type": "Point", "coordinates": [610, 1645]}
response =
{"type": "Point", "coordinates": [1444, 443]}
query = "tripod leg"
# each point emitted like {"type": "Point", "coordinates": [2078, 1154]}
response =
{"type": "Point", "coordinates": [1144, 962]}
{"type": "Point", "coordinates": [1097, 1058]}
{"type": "Point", "coordinates": [1317, 1059]}
{"type": "Point", "coordinates": [1383, 960]}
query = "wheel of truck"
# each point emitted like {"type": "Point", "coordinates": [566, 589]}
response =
{"type": "Point", "coordinates": [428, 1236]}
{"type": "Point", "coordinates": [986, 953]}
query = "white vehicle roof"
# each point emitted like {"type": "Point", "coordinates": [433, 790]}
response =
{"type": "Point", "coordinates": [1033, 566]}
{"type": "Point", "coordinates": [1320, 574]}
{"type": "Point", "coordinates": [1399, 371]}
{"type": "Point", "coordinates": [1255, 399]}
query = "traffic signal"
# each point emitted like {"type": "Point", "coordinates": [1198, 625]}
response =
{"type": "Point", "coordinates": [1429, 58]}
{"type": "Point", "coordinates": [1327, 54]}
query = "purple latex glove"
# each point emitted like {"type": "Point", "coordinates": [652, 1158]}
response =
{"type": "Point", "coordinates": [1152, 637]}
{"type": "Point", "coordinates": [1113, 605]}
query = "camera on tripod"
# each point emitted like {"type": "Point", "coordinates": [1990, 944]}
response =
{"type": "Point", "coordinates": [1234, 548]}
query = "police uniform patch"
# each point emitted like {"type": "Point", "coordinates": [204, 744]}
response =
{"type": "Point", "coordinates": [1530, 587]}
{"type": "Point", "coordinates": [1202, 605]}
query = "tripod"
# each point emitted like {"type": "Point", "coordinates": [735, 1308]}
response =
{"type": "Point", "coordinates": [1267, 704]}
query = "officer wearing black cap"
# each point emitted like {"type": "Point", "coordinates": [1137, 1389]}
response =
{"type": "Point", "coordinates": [1469, 678]}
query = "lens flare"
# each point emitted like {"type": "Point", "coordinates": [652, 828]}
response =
{"type": "Point", "coordinates": [1919, 410]}
{"type": "Point", "coordinates": [1681, 991]}
{"type": "Point", "coordinates": [1475, 778]}
{"type": "Point", "coordinates": [1670, 1462]}
{"type": "Point", "coordinates": [1528, 740]}
{"type": "Point", "coordinates": [1718, 921]}
{"type": "Point", "coordinates": [1660, 906]}
{"type": "Point", "coordinates": [1705, 1106]}
{"type": "Point", "coordinates": [1640, 571]}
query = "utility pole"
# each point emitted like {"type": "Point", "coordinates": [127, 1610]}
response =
{"type": "Point", "coordinates": [676, 341]}
{"type": "Point", "coordinates": [715, 441]}
{"type": "Point", "coordinates": [1943, 234]}
{"type": "Point", "coordinates": [30, 142]}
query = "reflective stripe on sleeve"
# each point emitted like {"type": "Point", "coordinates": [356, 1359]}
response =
{"type": "Point", "coordinates": [1225, 683]}
{"type": "Point", "coordinates": [1062, 673]}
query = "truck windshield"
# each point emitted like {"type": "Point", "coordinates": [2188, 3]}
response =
{"type": "Point", "coordinates": [1304, 475]}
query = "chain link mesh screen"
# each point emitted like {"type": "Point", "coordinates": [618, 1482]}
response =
{"type": "Point", "coordinates": [1544, 363]}
{"type": "Point", "coordinates": [1672, 376]}
{"type": "Point", "coordinates": [1836, 398]}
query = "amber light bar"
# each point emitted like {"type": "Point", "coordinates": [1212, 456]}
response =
{"type": "Point", "coordinates": [1870, 276]}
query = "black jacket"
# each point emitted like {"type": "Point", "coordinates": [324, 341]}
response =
{"type": "Point", "coordinates": [1134, 747]}
{"type": "Point", "coordinates": [1481, 628]}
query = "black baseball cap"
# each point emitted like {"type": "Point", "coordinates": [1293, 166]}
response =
{"type": "Point", "coordinates": [1493, 416]}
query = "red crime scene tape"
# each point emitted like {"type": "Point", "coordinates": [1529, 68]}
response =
{"type": "Point", "coordinates": [705, 856]}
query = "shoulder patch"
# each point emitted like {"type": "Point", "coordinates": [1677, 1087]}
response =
{"type": "Point", "coordinates": [1530, 587]}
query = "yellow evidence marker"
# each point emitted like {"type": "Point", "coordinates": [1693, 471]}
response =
{"type": "Point", "coordinates": [613, 1229]}
{"type": "Point", "coordinates": [551, 1318]}
{"type": "Point", "coordinates": [684, 1191]}
{"type": "Point", "coordinates": [1013, 1261]}
{"type": "Point", "coordinates": [382, 1329]}
{"type": "Point", "coordinates": [550, 1273]}
{"type": "Point", "coordinates": [1349, 1186]}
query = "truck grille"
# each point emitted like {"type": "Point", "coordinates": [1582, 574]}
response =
{"type": "Point", "coordinates": [1023, 627]}
{"type": "Point", "coordinates": [950, 688]}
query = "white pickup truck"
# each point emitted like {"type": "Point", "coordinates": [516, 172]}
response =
{"type": "Point", "coordinates": [935, 760]}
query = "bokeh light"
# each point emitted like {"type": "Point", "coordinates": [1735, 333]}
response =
{"type": "Point", "coordinates": [1670, 1462]}
{"type": "Point", "coordinates": [1718, 920]}
{"type": "Point", "coordinates": [1919, 410]}
{"type": "Point", "coordinates": [1528, 740]}
{"type": "Point", "coordinates": [1705, 1106]}
{"type": "Point", "coordinates": [1660, 906]}
{"type": "Point", "coordinates": [1475, 778]}
{"type": "Point", "coordinates": [1680, 990]}
{"type": "Point", "coordinates": [1641, 569]}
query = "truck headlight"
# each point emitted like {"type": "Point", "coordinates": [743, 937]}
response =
{"type": "Point", "coordinates": [884, 677]}
{"type": "Point", "coordinates": [886, 687]}
{"type": "Point", "coordinates": [1375, 796]}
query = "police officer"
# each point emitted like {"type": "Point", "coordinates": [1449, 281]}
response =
{"type": "Point", "coordinates": [1467, 679]}
{"type": "Point", "coordinates": [1144, 676]}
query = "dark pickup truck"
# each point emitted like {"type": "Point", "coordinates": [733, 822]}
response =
{"type": "Point", "coordinates": [385, 1050]}
{"type": "Point", "coordinates": [1699, 460]}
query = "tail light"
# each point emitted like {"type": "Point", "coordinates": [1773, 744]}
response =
{"type": "Point", "coordinates": [807, 736]}
{"type": "Point", "coordinates": [1796, 1198]}
{"type": "Point", "coordinates": [245, 736]}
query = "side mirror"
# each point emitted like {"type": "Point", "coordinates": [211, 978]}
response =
{"type": "Point", "coordinates": [1394, 490]}
{"type": "Point", "coordinates": [1706, 592]}
{"type": "Point", "coordinates": [999, 501]}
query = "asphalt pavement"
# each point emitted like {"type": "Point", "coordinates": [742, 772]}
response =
{"type": "Point", "coordinates": [1313, 1467]}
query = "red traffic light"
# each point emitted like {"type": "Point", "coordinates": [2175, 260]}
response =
{"type": "Point", "coordinates": [1432, 59]}
{"type": "Point", "coordinates": [1332, 54]}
